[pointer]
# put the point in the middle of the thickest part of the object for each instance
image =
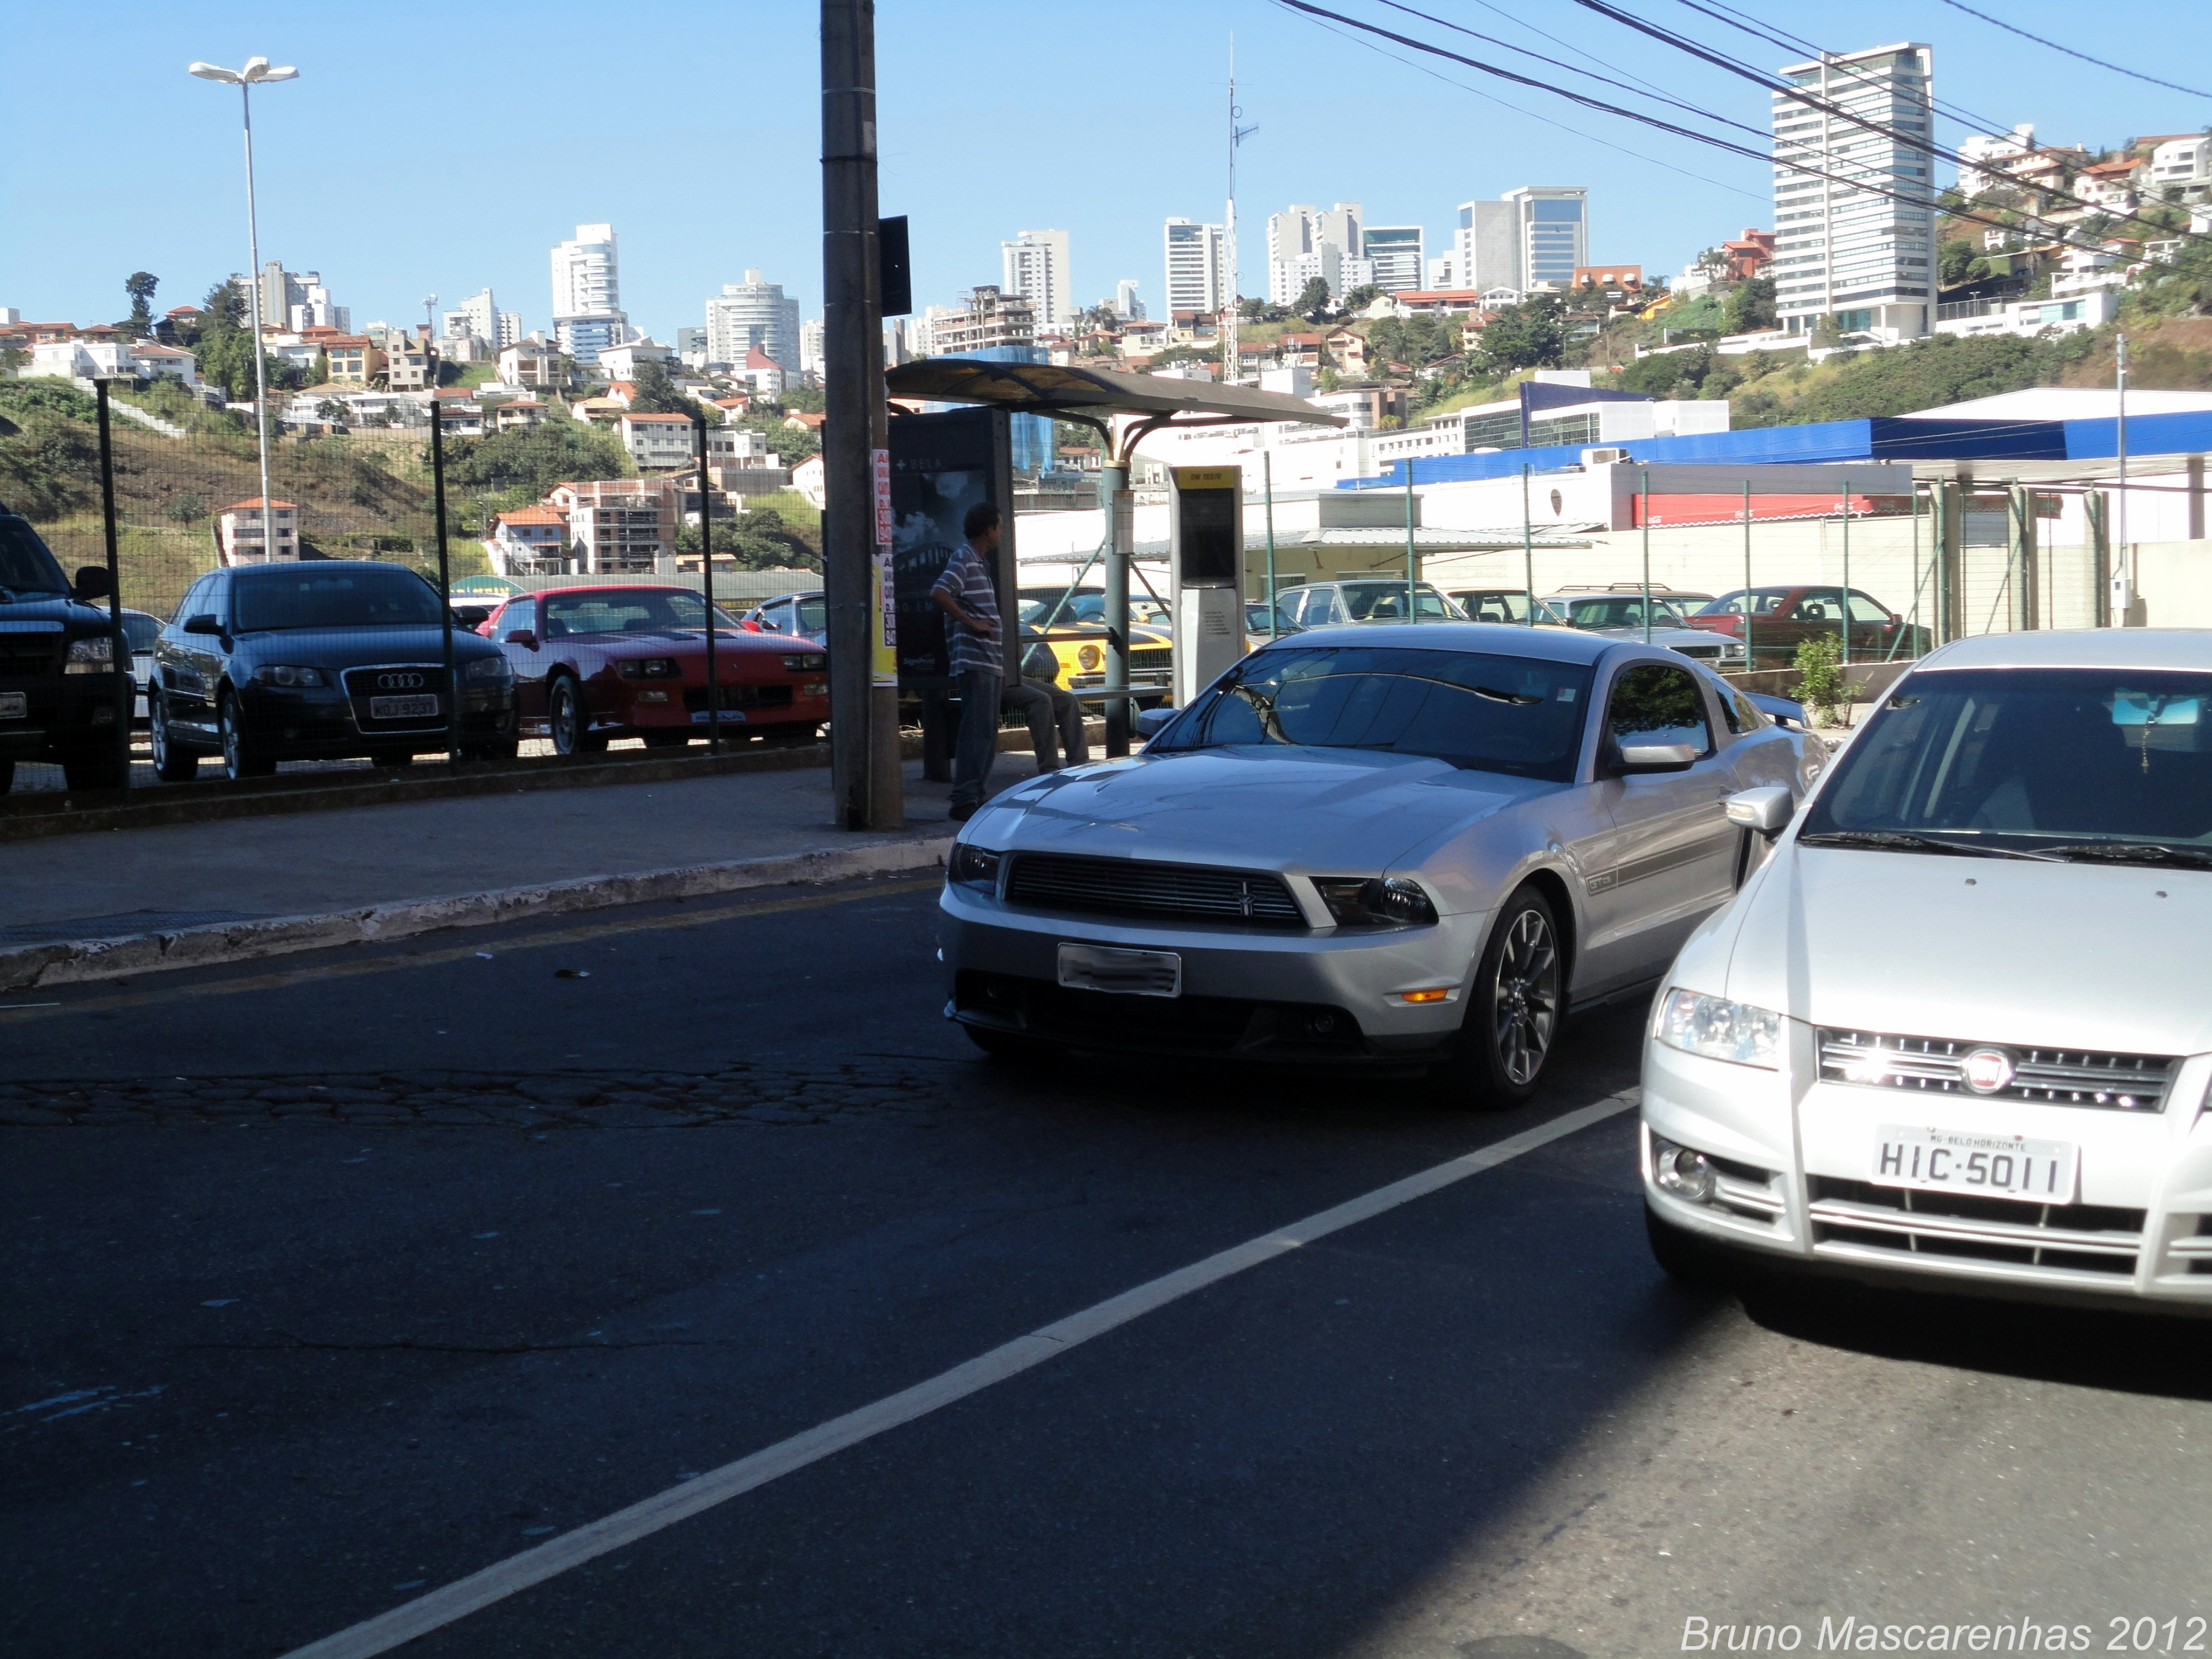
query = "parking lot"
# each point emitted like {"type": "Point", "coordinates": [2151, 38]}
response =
{"type": "Point", "coordinates": [339, 1278]}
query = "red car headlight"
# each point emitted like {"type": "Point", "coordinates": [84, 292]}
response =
{"type": "Point", "coordinates": [649, 668]}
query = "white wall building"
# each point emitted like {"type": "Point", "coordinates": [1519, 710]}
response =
{"type": "Point", "coordinates": [2028, 318]}
{"type": "Point", "coordinates": [1035, 267]}
{"type": "Point", "coordinates": [812, 335]}
{"type": "Point", "coordinates": [1305, 242]}
{"type": "Point", "coordinates": [1990, 148]}
{"type": "Point", "coordinates": [478, 316]}
{"type": "Point", "coordinates": [587, 313]}
{"type": "Point", "coordinates": [621, 362]}
{"type": "Point", "coordinates": [1843, 250]}
{"type": "Point", "coordinates": [1532, 237]}
{"type": "Point", "coordinates": [753, 315]}
{"type": "Point", "coordinates": [1197, 279]}
{"type": "Point", "coordinates": [2181, 165]}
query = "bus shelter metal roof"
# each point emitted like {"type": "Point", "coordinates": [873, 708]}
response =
{"type": "Point", "coordinates": [1095, 396]}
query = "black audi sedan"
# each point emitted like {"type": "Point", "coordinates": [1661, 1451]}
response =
{"type": "Point", "coordinates": [322, 659]}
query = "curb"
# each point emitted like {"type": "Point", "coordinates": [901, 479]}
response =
{"type": "Point", "coordinates": [76, 961]}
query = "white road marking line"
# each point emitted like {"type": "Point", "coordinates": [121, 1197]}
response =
{"type": "Point", "coordinates": [479, 1590]}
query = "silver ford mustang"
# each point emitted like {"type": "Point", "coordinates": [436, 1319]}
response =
{"type": "Point", "coordinates": [1422, 849]}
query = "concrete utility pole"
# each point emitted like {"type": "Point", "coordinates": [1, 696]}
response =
{"type": "Point", "coordinates": [863, 748]}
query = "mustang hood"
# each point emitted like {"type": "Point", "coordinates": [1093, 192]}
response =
{"type": "Point", "coordinates": [1984, 950]}
{"type": "Point", "coordinates": [1342, 810]}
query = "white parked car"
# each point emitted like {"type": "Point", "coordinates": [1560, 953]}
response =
{"type": "Point", "coordinates": [1956, 1030]}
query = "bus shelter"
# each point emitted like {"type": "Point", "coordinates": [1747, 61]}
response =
{"type": "Point", "coordinates": [1124, 409]}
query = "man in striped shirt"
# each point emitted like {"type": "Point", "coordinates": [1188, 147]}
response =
{"type": "Point", "coordinates": [965, 594]}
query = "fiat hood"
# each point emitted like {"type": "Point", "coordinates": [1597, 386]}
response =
{"type": "Point", "coordinates": [1312, 810]}
{"type": "Point", "coordinates": [2010, 950]}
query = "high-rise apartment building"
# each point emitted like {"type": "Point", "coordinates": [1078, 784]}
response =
{"type": "Point", "coordinates": [813, 346]}
{"type": "Point", "coordinates": [753, 313]}
{"type": "Point", "coordinates": [1394, 252]}
{"type": "Point", "coordinates": [1196, 277]}
{"type": "Point", "coordinates": [1530, 237]}
{"type": "Point", "coordinates": [296, 302]}
{"type": "Point", "coordinates": [1127, 305]}
{"type": "Point", "coordinates": [1035, 267]}
{"type": "Point", "coordinates": [1305, 242]}
{"type": "Point", "coordinates": [478, 316]}
{"type": "Point", "coordinates": [1858, 246]}
{"type": "Point", "coordinates": [587, 313]}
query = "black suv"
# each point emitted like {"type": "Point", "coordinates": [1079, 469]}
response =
{"type": "Point", "coordinates": [58, 690]}
{"type": "Point", "coordinates": [327, 659]}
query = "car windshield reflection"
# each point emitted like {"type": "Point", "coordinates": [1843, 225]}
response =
{"type": "Point", "coordinates": [1480, 713]}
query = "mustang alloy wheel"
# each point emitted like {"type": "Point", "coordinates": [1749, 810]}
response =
{"type": "Point", "coordinates": [1514, 1005]}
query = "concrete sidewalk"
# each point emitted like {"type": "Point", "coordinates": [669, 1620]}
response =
{"type": "Point", "coordinates": [94, 906]}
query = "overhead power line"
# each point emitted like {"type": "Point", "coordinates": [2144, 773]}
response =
{"type": "Point", "coordinates": [2014, 28]}
{"type": "Point", "coordinates": [1923, 201]}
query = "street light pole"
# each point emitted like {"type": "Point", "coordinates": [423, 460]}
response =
{"type": "Point", "coordinates": [256, 71]}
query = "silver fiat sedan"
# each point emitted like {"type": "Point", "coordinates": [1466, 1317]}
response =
{"type": "Point", "coordinates": [1418, 850]}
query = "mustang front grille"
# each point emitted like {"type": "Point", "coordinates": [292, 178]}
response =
{"type": "Point", "coordinates": [2046, 1077]}
{"type": "Point", "coordinates": [1122, 887]}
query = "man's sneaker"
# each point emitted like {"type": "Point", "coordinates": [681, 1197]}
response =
{"type": "Point", "coordinates": [961, 814]}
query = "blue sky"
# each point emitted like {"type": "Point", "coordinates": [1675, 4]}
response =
{"type": "Point", "coordinates": [436, 149]}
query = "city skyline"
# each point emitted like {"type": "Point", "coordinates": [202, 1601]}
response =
{"type": "Point", "coordinates": [176, 147]}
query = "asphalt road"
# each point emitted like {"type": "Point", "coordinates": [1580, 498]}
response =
{"type": "Point", "coordinates": [334, 1282]}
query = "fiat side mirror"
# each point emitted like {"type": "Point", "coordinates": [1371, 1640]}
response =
{"type": "Point", "coordinates": [523, 637]}
{"type": "Point", "coordinates": [1767, 809]}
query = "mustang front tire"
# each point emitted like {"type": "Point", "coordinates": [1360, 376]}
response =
{"type": "Point", "coordinates": [1515, 1006]}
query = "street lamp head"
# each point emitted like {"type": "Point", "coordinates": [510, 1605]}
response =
{"type": "Point", "coordinates": [257, 72]}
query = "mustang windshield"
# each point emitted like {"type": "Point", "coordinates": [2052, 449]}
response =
{"type": "Point", "coordinates": [2106, 765]}
{"type": "Point", "coordinates": [1482, 712]}
{"type": "Point", "coordinates": [299, 596]}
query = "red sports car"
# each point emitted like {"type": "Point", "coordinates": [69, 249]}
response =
{"type": "Point", "coordinates": [593, 663]}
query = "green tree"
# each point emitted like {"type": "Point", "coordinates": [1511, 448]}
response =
{"type": "Point", "coordinates": [1362, 297]}
{"type": "Point", "coordinates": [1312, 302]}
{"type": "Point", "coordinates": [657, 392]}
{"type": "Point", "coordinates": [1749, 306]}
{"type": "Point", "coordinates": [1256, 310]}
{"type": "Point", "coordinates": [527, 462]}
{"type": "Point", "coordinates": [758, 540]}
{"type": "Point", "coordinates": [140, 286]}
{"type": "Point", "coordinates": [1952, 261]}
{"type": "Point", "coordinates": [1531, 335]}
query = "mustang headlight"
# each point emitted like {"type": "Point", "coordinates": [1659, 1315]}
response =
{"type": "Point", "coordinates": [1374, 902]}
{"type": "Point", "coordinates": [970, 865]}
{"type": "Point", "coordinates": [488, 668]}
{"type": "Point", "coordinates": [92, 655]}
{"type": "Point", "coordinates": [1717, 1029]}
{"type": "Point", "coordinates": [280, 673]}
{"type": "Point", "coordinates": [649, 668]}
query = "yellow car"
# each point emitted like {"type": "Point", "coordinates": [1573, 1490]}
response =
{"type": "Point", "coordinates": [1071, 622]}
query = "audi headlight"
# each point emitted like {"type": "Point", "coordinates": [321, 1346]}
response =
{"type": "Point", "coordinates": [488, 668]}
{"type": "Point", "coordinates": [95, 655]}
{"type": "Point", "coordinates": [970, 865]}
{"type": "Point", "coordinates": [1376, 901]}
{"type": "Point", "coordinates": [649, 668]}
{"type": "Point", "coordinates": [805, 665]}
{"type": "Point", "coordinates": [284, 673]}
{"type": "Point", "coordinates": [1717, 1029]}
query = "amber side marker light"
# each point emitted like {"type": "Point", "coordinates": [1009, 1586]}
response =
{"type": "Point", "coordinates": [1439, 995]}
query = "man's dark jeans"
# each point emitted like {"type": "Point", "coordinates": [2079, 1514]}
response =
{"type": "Point", "coordinates": [977, 745]}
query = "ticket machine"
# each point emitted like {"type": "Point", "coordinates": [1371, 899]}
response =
{"type": "Point", "coordinates": [1206, 574]}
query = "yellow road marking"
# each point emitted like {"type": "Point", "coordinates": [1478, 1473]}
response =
{"type": "Point", "coordinates": [581, 935]}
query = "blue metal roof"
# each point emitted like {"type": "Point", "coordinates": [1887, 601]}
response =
{"type": "Point", "coordinates": [2186, 434]}
{"type": "Point", "coordinates": [1880, 438]}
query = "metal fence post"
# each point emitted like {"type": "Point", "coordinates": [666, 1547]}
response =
{"type": "Point", "coordinates": [1644, 486]}
{"type": "Point", "coordinates": [707, 588]}
{"type": "Point", "coordinates": [119, 642]}
{"type": "Point", "coordinates": [2100, 557]}
{"type": "Point", "coordinates": [1750, 661]}
{"type": "Point", "coordinates": [1412, 559]}
{"type": "Point", "coordinates": [1527, 545]}
{"type": "Point", "coordinates": [1267, 490]}
{"type": "Point", "coordinates": [445, 579]}
{"type": "Point", "coordinates": [1846, 607]}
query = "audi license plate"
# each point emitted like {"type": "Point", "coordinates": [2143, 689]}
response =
{"type": "Point", "coordinates": [1130, 972]}
{"type": "Point", "coordinates": [421, 706]}
{"type": "Point", "coordinates": [15, 706]}
{"type": "Point", "coordinates": [1972, 1161]}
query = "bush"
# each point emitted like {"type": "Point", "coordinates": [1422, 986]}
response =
{"type": "Point", "coordinates": [1820, 684]}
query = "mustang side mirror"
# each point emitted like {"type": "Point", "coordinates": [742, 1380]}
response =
{"type": "Point", "coordinates": [523, 637]}
{"type": "Point", "coordinates": [1632, 758]}
{"type": "Point", "coordinates": [203, 623]}
{"type": "Point", "coordinates": [1150, 722]}
{"type": "Point", "coordinates": [92, 582]}
{"type": "Point", "coordinates": [1766, 809]}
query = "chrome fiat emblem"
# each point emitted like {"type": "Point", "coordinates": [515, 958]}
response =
{"type": "Point", "coordinates": [1986, 1070]}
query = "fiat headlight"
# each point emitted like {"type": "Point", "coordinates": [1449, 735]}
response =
{"type": "Point", "coordinates": [1717, 1029]}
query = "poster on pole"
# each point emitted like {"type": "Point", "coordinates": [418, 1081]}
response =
{"type": "Point", "coordinates": [942, 464]}
{"type": "Point", "coordinates": [885, 589]}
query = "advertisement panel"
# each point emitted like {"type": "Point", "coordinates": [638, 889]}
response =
{"type": "Point", "coordinates": [942, 464]}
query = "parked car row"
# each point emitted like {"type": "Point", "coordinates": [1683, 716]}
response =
{"type": "Point", "coordinates": [1928, 1011]}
